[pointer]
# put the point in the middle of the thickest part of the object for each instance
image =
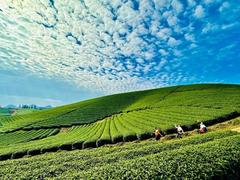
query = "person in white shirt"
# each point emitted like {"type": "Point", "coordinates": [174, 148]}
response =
{"type": "Point", "coordinates": [179, 131]}
{"type": "Point", "coordinates": [203, 128]}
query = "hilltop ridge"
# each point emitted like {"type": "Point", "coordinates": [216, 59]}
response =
{"type": "Point", "coordinates": [92, 110]}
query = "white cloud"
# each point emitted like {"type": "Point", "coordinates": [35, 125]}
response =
{"type": "Point", "coordinates": [199, 12]}
{"type": "Point", "coordinates": [105, 45]}
{"type": "Point", "coordinates": [191, 3]}
{"type": "Point", "coordinates": [193, 45]}
{"type": "Point", "coordinates": [149, 55]}
{"type": "Point", "coordinates": [189, 37]}
{"type": "Point", "coordinates": [210, 28]}
{"type": "Point", "coordinates": [224, 6]}
{"type": "Point", "coordinates": [177, 53]}
{"type": "Point", "coordinates": [164, 33]}
{"type": "Point", "coordinates": [161, 64]}
{"type": "Point", "coordinates": [178, 7]}
{"type": "Point", "coordinates": [173, 42]}
{"type": "Point", "coordinates": [172, 20]}
{"type": "Point", "coordinates": [208, 1]}
{"type": "Point", "coordinates": [163, 52]}
{"type": "Point", "coordinates": [227, 26]}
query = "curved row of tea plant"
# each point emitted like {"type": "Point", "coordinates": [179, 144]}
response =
{"type": "Point", "coordinates": [199, 157]}
{"type": "Point", "coordinates": [217, 159]}
{"type": "Point", "coordinates": [123, 127]}
{"type": "Point", "coordinates": [203, 96]}
{"type": "Point", "coordinates": [25, 136]}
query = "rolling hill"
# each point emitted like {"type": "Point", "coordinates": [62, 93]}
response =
{"type": "Point", "coordinates": [5, 112]}
{"type": "Point", "coordinates": [214, 155]}
{"type": "Point", "coordinates": [116, 118]}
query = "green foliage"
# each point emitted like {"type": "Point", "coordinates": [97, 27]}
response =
{"type": "Point", "coordinates": [18, 112]}
{"type": "Point", "coordinates": [125, 117]}
{"type": "Point", "coordinates": [199, 96]}
{"type": "Point", "coordinates": [214, 159]}
{"type": "Point", "coordinates": [25, 136]}
{"type": "Point", "coordinates": [212, 155]}
{"type": "Point", "coordinates": [5, 112]}
{"type": "Point", "coordinates": [143, 111]}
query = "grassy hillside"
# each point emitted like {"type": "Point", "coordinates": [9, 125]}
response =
{"type": "Point", "coordinates": [212, 155]}
{"type": "Point", "coordinates": [25, 136]}
{"type": "Point", "coordinates": [23, 111]}
{"type": "Point", "coordinates": [200, 96]}
{"type": "Point", "coordinates": [87, 111]}
{"type": "Point", "coordinates": [121, 117]}
{"type": "Point", "coordinates": [5, 112]}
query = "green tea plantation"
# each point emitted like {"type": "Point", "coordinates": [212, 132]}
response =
{"type": "Point", "coordinates": [111, 137]}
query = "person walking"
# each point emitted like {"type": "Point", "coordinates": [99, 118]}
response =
{"type": "Point", "coordinates": [179, 131]}
{"type": "Point", "coordinates": [157, 134]}
{"type": "Point", "coordinates": [203, 128]}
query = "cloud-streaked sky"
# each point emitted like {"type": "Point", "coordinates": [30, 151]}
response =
{"type": "Point", "coordinates": [60, 51]}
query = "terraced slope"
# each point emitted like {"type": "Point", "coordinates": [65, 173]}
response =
{"type": "Point", "coordinates": [215, 155]}
{"type": "Point", "coordinates": [123, 117]}
{"type": "Point", "coordinates": [25, 136]}
{"type": "Point", "coordinates": [86, 111]}
{"type": "Point", "coordinates": [5, 112]}
{"type": "Point", "coordinates": [203, 96]}
{"type": "Point", "coordinates": [18, 112]}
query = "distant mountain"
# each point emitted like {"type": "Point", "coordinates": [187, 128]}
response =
{"type": "Point", "coordinates": [25, 106]}
{"type": "Point", "coordinates": [49, 106]}
{"type": "Point", "coordinates": [45, 107]}
{"type": "Point", "coordinates": [10, 106]}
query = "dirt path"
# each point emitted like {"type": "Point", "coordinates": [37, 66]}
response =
{"type": "Point", "coordinates": [236, 129]}
{"type": "Point", "coordinates": [233, 125]}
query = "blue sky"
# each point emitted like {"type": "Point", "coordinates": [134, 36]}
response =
{"type": "Point", "coordinates": [57, 52]}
